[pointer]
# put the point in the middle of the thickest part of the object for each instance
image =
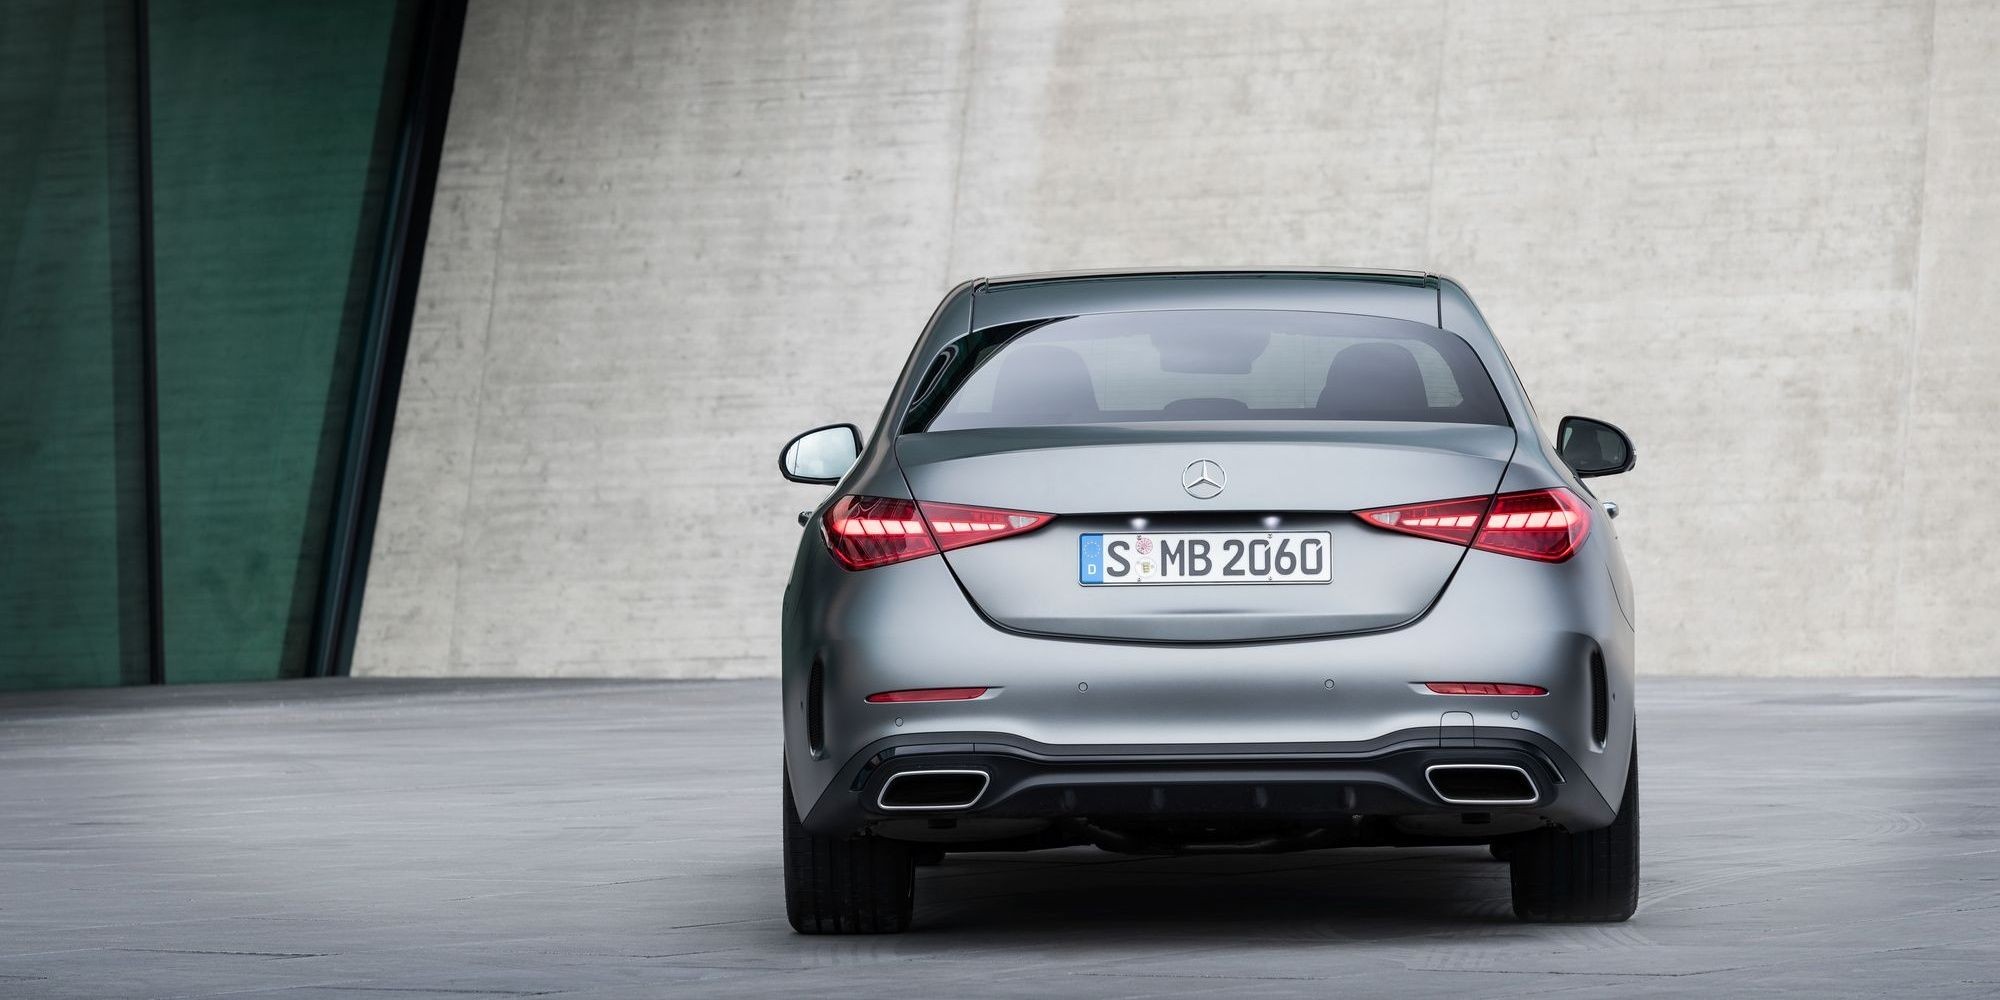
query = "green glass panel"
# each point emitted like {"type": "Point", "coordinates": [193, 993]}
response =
{"type": "Point", "coordinates": [72, 458]}
{"type": "Point", "coordinates": [272, 141]}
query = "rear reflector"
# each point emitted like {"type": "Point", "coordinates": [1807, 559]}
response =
{"type": "Point", "coordinates": [865, 532]}
{"type": "Point", "coordinates": [926, 694]}
{"type": "Point", "coordinates": [1548, 525]}
{"type": "Point", "coordinates": [1482, 687]}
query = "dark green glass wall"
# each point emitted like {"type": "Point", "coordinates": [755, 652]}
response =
{"type": "Point", "coordinates": [72, 462]}
{"type": "Point", "coordinates": [273, 136]}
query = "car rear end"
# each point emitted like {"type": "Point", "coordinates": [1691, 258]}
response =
{"type": "Point", "coordinates": [1184, 563]}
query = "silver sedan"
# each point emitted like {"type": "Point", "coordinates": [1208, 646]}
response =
{"type": "Point", "coordinates": [1182, 562]}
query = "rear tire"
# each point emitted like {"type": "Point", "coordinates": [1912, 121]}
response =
{"type": "Point", "coordinates": [845, 885]}
{"type": "Point", "coordinates": [1590, 877]}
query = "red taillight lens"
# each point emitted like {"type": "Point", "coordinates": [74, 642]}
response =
{"type": "Point", "coordinates": [1482, 687]}
{"type": "Point", "coordinates": [956, 526]}
{"type": "Point", "coordinates": [925, 694]}
{"type": "Point", "coordinates": [1549, 525]}
{"type": "Point", "coordinates": [1445, 520]}
{"type": "Point", "coordinates": [865, 532]}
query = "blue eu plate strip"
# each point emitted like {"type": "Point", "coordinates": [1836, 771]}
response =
{"type": "Point", "coordinates": [1090, 559]}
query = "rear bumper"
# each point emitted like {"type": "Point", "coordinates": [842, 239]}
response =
{"type": "Point", "coordinates": [1298, 784]}
{"type": "Point", "coordinates": [909, 626]}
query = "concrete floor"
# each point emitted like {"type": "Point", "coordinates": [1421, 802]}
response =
{"type": "Point", "coordinates": [593, 839]}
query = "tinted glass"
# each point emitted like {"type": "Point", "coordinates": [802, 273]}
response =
{"type": "Point", "coordinates": [1209, 365]}
{"type": "Point", "coordinates": [273, 129]}
{"type": "Point", "coordinates": [73, 585]}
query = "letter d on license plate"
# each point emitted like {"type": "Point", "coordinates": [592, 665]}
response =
{"type": "Point", "coordinates": [1128, 558]}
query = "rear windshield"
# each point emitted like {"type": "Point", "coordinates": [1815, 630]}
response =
{"type": "Point", "coordinates": [1205, 365]}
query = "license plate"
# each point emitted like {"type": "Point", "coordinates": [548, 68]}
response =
{"type": "Point", "coordinates": [1127, 558]}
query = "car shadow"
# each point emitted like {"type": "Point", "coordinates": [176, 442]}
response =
{"type": "Point", "coordinates": [1357, 892]}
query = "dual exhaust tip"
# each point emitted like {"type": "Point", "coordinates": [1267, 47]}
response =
{"type": "Point", "coordinates": [952, 789]}
{"type": "Point", "coordinates": [1482, 784]}
{"type": "Point", "coordinates": [1454, 784]}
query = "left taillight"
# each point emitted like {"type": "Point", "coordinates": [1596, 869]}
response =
{"type": "Point", "coordinates": [865, 532]}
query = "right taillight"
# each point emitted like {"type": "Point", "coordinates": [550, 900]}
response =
{"type": "Point", "coordinates": [865, 532]}
{"type": "Point", "coordinates": [1548, 525]}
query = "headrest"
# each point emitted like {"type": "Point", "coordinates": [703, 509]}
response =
{"type": "Point", "coordinates": [1373, 381]}
{"type": "Point", "coordinates": [1044, 382]}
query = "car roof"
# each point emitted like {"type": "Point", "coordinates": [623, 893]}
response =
{"type": "Point", "coordinates": [1404, 295]}
{"type": "Point", "coordinates": [1152, 272]}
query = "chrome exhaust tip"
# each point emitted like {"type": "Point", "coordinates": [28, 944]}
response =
{"type": "Point", "coordinates": [1482, 784]}
{"type": "Point", "coordinates": [943, 789]}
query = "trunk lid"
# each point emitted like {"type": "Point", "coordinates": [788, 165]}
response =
{"type": "Point", "coordinates": [1283, 476]}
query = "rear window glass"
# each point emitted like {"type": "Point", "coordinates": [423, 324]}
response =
{"type": "Point", "coordinates": [1206, 365]}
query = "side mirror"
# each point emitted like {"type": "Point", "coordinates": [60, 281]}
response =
{"type": "Point", "coordinates": [822, 455]}
{"type": "Point", "coordinates": [1594, 448]}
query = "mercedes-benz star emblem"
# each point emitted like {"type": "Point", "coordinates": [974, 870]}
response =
{"type": "Point", "coordinates": [1202, 480]}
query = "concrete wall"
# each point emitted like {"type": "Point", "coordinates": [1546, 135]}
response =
{"type": "Point", "coordinates": [1763, 237]}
